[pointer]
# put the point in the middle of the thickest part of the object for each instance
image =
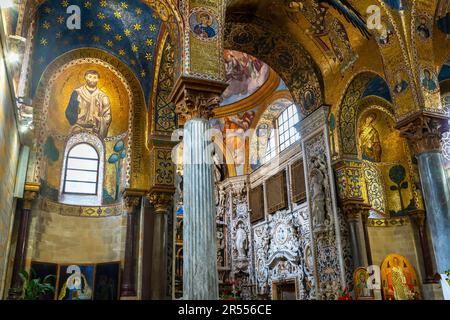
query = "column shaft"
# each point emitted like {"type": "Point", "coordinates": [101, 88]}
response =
{"type": "Point", "coordinates": [21, 248]}
{"type": "Point", "coordinates": [200, 279]}
{"type": "Point", "coordinates": [355, 244]}
{"type": "Point", "coordinates": [128, 288]}
{"type": "Point", "coordinates": [159, 250]}
{"type": "Point", "coordinates": [437, 201]}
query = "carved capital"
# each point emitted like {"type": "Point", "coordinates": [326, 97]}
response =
{"type": "Point", "coordinates": [424, 133]}
{"type": "Point", "coordinates": [197, 105]}
{"type": "Point", "coordinates": [355, 209]}
{"type": "Point", "coordinates": [131, 199]}
{"type": "Point", "coordinates": [31, 192]}
{"type": "Point", "coordinates": [196, 98]}
{"type": "Point", "coordinates": [130, 203]}
{"type": "Point", "coordinates": [161, 201]}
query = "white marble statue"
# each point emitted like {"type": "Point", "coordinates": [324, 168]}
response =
{"type": "Point", "coordinates": [241, 241]}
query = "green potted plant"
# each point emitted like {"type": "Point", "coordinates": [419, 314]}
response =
{"type": "Point", "coordinates": [34, 288]}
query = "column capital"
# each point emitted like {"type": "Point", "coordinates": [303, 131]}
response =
{"type": "Point", "coordinates": [160, 200]}
{"type": "Point", "coordinates": [423, 132]}
{"type": "Point", "coordinates": [131, 199]}
{"type": "Point", "coordinates": [31, 192]}
{"type": "Point", "coordinates": [353, 210]}
{"type": "Point", "coordinates": [196, 98]}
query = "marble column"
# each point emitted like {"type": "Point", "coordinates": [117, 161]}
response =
{"type": "Point", "coordinates": [128, 284]}
{"type": "Point", "coordinates": [353, 213]}
{"type": "Point", "coordinates": [195, 99]}
{"type": "Point", "coordinates": [161, 203]}
{"type": "Point", "coordinates": [30, 194]}
{"type": "Point", "coordinates": [424, 137]}
{"type": "Point", "coordinates": [365, 218]}
{"type": "Point", "coordinates": [418, 216]}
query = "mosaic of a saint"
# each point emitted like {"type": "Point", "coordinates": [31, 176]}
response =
{"type": "Point", "coordinates": [399, 281]}
{"type": "Point", "coordinates": [204, 28]}
{"type": "Point", "coordinates": [428, 81]}
{"type": "Point", "coordinates": [369, 140]}
{"type": "Point", "coordinates": [89, 108]}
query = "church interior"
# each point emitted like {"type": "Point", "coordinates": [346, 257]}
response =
{"type": "Point", "coordinates": [225, 150]}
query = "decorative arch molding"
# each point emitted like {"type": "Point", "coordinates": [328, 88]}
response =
{"type": "Point", "coordinates": [288, 58]}
{"type": "Point", "coordinates": [137, 152]}
{"type": "Point", "coordinates": [347, 112]}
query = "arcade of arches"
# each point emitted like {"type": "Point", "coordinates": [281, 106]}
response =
{"type": "Point", "coordinates": [225, 149]}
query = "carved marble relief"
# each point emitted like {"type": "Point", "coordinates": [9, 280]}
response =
{"type": "Point", "coordinates": [329, 244]}
{"type": "Point", "coordinates": [281, 253]}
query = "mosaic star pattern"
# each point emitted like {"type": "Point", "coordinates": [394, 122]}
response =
{"type": "Point", "coordinates": [128, 30]}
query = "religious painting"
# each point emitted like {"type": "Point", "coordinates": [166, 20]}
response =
{"type": "Point", "coordinates": [204, 24]}
{"type": "Point", "coordinates": [41, 270]}
{"type": "Point", "coordinates": [234, 130]}
{"type": "Point", "coordinates": [399, 279]}
{"type": "Point", "coordinates": [423, 29]}
{"type": "Point", "coordinates": [362, 291]}
{"type": "Point", "coordinates": [107, 281]}
{"type": "Point", "coordinates": [244, 74]}
{"type": "Point", "coordinates": [400, 84]}
{"type": "Point", "coordinates": [369, 139]}
{"type": "Point", "coordinates": [74, 286]}
{"type": "Point", "coordinates": [89, 109]}
{"type": "Point", "coordinates": [387, 165]}
{"type": "Point", "coordinates": [428, 80]}
{"type": "Point", "coordinates": [87, 102]}
{"type": "Point", "coordinates": [385, 34]}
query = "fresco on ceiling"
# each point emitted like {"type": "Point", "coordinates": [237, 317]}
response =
{"type": "Point", "coordinates": [290, 60]}
{"type": "Point", "coordinates": [377, 87]}
{"type": "Point", "coordinates": [128, 30]}
{"type": "Point", "coordinates": [85, 98]}
{"type": "Point", "coordinates": [235, 129]}
{"type": "Point", "coordinates": [244, 74]}
{"type": "Point", "coordinates": [389, 175]}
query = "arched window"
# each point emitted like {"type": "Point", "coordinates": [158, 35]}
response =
{"type": "Point", "coordinates": [288, 133]}
{"type": "Point", "coordinates": [271, 150]}
{"type": "Point", "coordinates": [82, 168]}
{"type": "Point", "coordinates": [285, 132]}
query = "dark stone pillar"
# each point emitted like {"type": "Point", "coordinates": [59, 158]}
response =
{"type": "Point", "coordinates": [354, 212]}
{"type": "Point", "coordinates": [418, 217]}
{"type": "Point", "coordinates": [30, 193]}
{"type": "Point", "coordinates": [128, 285]}
{"type": "Point", "coordinates": [161, 203]}
{"type": "Point", "coordinates": [365, 218]}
